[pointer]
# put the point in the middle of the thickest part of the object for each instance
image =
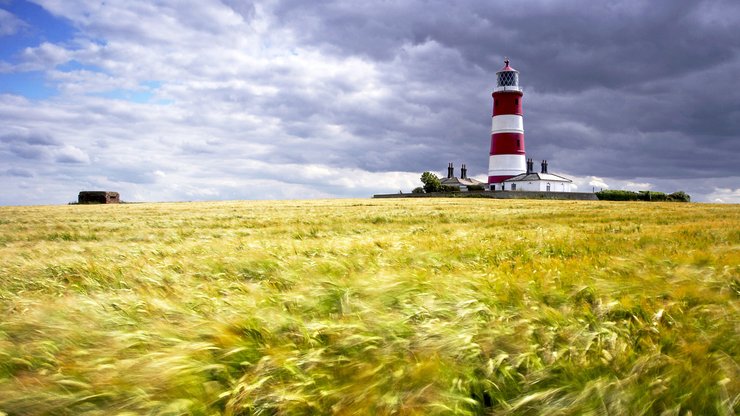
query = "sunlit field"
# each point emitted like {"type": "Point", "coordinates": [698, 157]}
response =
{"type": "Point", "coordinates": [406, 307]}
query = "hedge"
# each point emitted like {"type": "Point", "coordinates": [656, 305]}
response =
{"type": "Point", "coordinates": [619, 195]}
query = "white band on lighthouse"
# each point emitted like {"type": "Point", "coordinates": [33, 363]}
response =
{"type": "Point", "coordinates": [506, 165]}
{"type": "Point", "coordinates": [507, 123]}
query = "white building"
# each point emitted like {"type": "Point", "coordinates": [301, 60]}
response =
{"type": "Point", "coordinates": [533, 181]}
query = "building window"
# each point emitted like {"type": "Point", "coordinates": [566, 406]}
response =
{"type": "Point", "coordinates": [548, 187]}
{"type": "Point", "coordinates": [513, 187]}
{"type": "Point", "coordinates": [493, 187]}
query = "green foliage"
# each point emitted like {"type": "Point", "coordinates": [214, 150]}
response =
{"type": "Point", "coordinates": [652, 196]}
{"type": "Point", "coordinates": [410, 306]}
{"type": "Point", "coordinates": [449, 188]}
{"type": "Point", "coordinates": [476, 188]}
{"type": "Point", "coordinates": [431, 182]}
{"type": "Point", "coordinates": [679, 196]}
{"type": "Point", "coordinates": [620, 195]}
{"type": "Point", "coordinates": [418, 190]}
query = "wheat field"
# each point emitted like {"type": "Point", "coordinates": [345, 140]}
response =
{"type": "Point", "coordinates": [370, 307]}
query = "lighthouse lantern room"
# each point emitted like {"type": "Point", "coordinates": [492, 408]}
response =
{"type": "Point", "coordinates": [507, 157]}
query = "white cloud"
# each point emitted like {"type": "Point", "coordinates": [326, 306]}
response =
{"type": "Point", "coordinates": [637, 186]}
{"type": "Point", "coordinates": [597, 182]}
{"type": "Point", "coordinates": [43, 57]}
{"type": "Point", "coordinates": [10, 24]}
{"type": "Point", "coordinates": [725, 195]}
{"type": "Point", "coordinates": [82, 82]}
{"type": "Point", "coordinates": [71, 154]}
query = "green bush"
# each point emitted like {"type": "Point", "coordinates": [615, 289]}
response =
{"type": "Point", "coordinates": [617, 195]}
{"type": "Point", "coordinates": [620, 195]}
{"type": "Point", "coordinates": [652, 196]}
{"type": "Point", "coordinates": [679, 196]}
{"type": "Point", "coordinates": [476, 188]}
{"type": "Point", "coordinates": [418, 190]}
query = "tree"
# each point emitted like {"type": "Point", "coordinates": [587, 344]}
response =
{"type": "Point", "coordinates": [418, 190]}
{"type": "Point", "coordinates": [431, 182]}
{"type": "Point", "coordinates": [680, 196]}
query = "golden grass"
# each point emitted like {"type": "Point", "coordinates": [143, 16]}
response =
{"type": "Point", "coordinates": [409, 307]}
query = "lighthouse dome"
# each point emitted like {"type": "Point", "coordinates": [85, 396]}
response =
{"type": "Point", "coordinates": [507, 67]}
{"type": "Point", "coordinates": [507, 79]}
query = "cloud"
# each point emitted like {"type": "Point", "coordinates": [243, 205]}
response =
{"type": "Point", "coordinates": [27, 136]}
{"type": "Point", "coordinates": [244, 9]}
{"type": "Point", "coordinates": [43, 57]}
{"type": "Point", "coordinates": [10, 24]}
{"type": "Point", "coordinates": [22, 173]}
{"type": "Point", "coordinates": [71, 154]}
{"type": "Point", "coordinates": [637, 186]}
{"type": "Point", "coordinates": [597, 182]}
{"type": "Point", "coordinates": [725, 195]}
{"type": "Point", "coordinates": [27, 143]}
{"type": "Point", "coordinates": [208, 99]}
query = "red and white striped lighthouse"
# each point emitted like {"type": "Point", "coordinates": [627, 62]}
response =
{"type": "Point", "coordinates": [507, 157]}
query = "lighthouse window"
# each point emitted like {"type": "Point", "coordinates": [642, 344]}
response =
{"type": "Point", "coordinates": [516, 101]}
{"type": "Point", "coordinates": [507, 79]}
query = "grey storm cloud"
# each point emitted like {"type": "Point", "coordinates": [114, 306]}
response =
{"type": "Point", "coordinates": [21, 173]}
{"type": "Point", "coordinates": [30, 138]}
{"type": "Point", "coordinates": [25, 144]}
{"type": "Point", "coordinates": [649, 81]}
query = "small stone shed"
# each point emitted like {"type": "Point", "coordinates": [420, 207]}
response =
{"type": "Point", "coordinates": [98, 197]}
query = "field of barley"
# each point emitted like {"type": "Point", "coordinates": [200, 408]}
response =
{"type": "Point", "coordinates": [371, 307]}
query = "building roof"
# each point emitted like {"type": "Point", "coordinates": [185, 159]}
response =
{"type": "Point", "coordinates": [454, 181]}
{"type": "Point", "coordinates": [534, 176]}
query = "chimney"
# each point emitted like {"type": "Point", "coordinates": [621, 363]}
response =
{"type": "Point", "coordinates": [544, 166]}
{"type": "Point", "coordinates": [450, 170]}
{"type": "Point", "coordinates": [464, 172]}
{"type": "Point", "coordinates": [530, 166]}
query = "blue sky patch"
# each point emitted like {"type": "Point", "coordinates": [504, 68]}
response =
{"type": "Point", "coordinates": [32, 85]}
{"type": "Point", "coordinates": [74, 65]}
{"type": "Point", "coordinates": [144, 95]}
{"type": "Point", "coordinates": [141, 96]}
{"type": "Point", "coordinates": [42, 27]}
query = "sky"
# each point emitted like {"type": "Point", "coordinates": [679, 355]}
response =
{"type": "Point", "coordinates": [292, 99]}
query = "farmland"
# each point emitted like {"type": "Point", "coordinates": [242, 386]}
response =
{"type": "Point", "coordinates": [408, 307]}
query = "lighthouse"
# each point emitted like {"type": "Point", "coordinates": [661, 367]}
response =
{"type": "Point", "coordinates": [507, 157]}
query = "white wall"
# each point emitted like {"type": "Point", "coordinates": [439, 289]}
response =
{"type": "Point", "coordinates": [540, 186]}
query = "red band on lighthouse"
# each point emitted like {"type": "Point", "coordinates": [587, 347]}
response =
{"type": "Point", "coordinates": [507, 144]}
{"type": "Point", "coordinates": [507, 155]}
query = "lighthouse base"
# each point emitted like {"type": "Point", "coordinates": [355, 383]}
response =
{"type": "Point", "coordinates": [503, 167]}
